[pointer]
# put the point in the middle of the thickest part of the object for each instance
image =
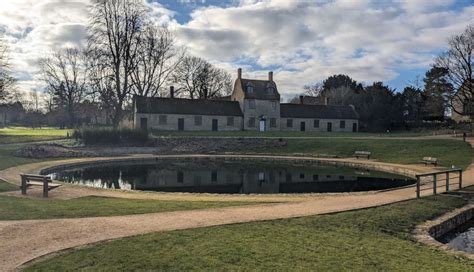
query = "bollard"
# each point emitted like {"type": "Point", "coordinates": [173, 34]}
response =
{"type": "Point", "coordinates": [460, 179]}
{"type": "Point", "coordinates": [434, 184]}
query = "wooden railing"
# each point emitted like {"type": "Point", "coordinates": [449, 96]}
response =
{"type": "Point", "coordinates": [447, 179]}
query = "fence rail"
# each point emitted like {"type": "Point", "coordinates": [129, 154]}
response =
{"type": "Point", "coordinates": [435, 175]}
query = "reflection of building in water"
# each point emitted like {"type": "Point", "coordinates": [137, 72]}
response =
{"type": "Point", "coordinates": [236, 181]}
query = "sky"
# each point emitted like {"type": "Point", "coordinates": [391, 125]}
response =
{"type": "Point", "coordinates": [302, 41]}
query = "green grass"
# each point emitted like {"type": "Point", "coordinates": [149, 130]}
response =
{"type": "Point", "coordinates": [14, 208]}
{"type": "Point", "coordinates": [21, 134]}
{"type": "Point", "coordinates": [277, 134]}
{"type": "Point", "coordinates": [8, 160]}
{"type": "Point", "coordinates": [449, 152]}
{"type": "Point", "coordinates": [376, 239]}
{"type": "Point", "coordinates": [7, 187]}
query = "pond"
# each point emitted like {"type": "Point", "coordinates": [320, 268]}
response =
{"type": "Point", "coordinates": [230, 177]}
{"type": "Point", "coordinates": [461, 238]}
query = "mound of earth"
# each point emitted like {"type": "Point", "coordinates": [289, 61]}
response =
{"type": "Point", "coordinates": [40, 151]}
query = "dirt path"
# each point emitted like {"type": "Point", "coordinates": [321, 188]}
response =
{"type": "Point", "coordinates": [23, 241]}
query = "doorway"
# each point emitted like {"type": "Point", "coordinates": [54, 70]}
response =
{"type": "Point", "coordinates": [262, 125]}
{"type": "Point", "coordinates": [303, 126]}
{"type": "Point", "coordinates": [215, 124]}
{"type": "Point", "coordinates": [143, 123]}
{"type": "Point", "coordinates": [329, 126]}
{"type": "Point", "coordinates": [354, 127]}
{"type": "Point", "coordinates": [180, 124]}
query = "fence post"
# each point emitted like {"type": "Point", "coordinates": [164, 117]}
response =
{"type": "Point", "coordinates": [23, 184]}
{"type": "Point", "coordinates": [460, 179]}
{"type": "Point", "coordinates": [45, 187]}
{"type": "Point", "coordinates": [434, 184]}
{"type": "Point", "coordinates": [417, 186]}
{"type": "Point", "coordinates": [447, 181]}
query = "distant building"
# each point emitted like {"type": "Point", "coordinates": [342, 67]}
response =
{"type": "Point", "coordinates": [253, 105]}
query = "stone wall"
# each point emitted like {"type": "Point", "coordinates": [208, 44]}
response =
{"type": "Point", "coordinates": [323, 125]}
{"type": "Point", "coordinates": [153, 121]}
{"type": "Point", "coordinates": [263, 108]}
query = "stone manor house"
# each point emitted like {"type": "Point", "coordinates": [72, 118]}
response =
{"type": "Point", "coordinates": [253, 105]}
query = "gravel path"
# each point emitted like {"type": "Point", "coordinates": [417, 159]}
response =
{"type": "Point", "coordinates": [23, 241]}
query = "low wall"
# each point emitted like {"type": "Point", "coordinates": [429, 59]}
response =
{"type": "Point", "coordinates": [428, 232]}
{"type": "Point", "coordinates": [451, 223]}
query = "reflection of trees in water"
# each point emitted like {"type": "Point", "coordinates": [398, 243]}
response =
{"type": "Point", "coordinates": [230, 177]}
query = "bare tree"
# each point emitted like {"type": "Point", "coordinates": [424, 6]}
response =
{"type": "Point", "coordinates": [197, 79]}
{"type": "Point", "coordinates": [313, 89]}
{"type": "Point", "coordinates": [7, 82]}
{"type": "Point", "coordinates": [65, 76]}
{"type": "Point", "coordinates": [458, 62]}
{"type": "Point", "coordinates": [115, 29]}
{"type": "Point", "coordinates": [156, 60]}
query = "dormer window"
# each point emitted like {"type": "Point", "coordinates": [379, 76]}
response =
{"type": "Point", "coordinates": [270, 88]}
{"type": "Point", "coordinates": [249, 87]}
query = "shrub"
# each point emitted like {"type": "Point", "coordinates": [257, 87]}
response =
{"type": "Point", "coordinates": [109, 136]}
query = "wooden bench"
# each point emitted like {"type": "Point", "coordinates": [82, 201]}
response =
{"type": "Point", "coordinates": [364, 154]}
{"type": "Point", "coordinates": [28, 180]}
{"type": "Point", "coordinates": [430, 160]}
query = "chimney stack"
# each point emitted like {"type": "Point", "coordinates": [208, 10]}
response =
{"type": "Point", "coordinates": [270, 76]}
{"type": "Point", "coordinates": [171, 91]}
{"type": "Point", "coordinates": [301, 100]}
{"type": "Point", "coordinates": [239, 73]}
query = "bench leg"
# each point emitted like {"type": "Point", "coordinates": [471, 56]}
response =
{"type": "Point", "coordinates": [45, 187]}
{"type": "Point", "coordinates": [23, 185]}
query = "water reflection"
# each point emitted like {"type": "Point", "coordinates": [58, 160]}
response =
{"type": "Point", "coordinates": [206, 176]}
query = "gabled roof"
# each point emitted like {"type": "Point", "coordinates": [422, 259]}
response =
{"type": "Point", "coordinates": [159, 105]}
{"type": "Point", "coordinates": [317, 111]}
{"type": "Point", "coordinates": [261, 89]}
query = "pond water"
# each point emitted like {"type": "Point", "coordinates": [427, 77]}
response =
{"type": "Point", "coordinates": [462, 238]}
{"type": "Point", "coordinates": [230, 177]}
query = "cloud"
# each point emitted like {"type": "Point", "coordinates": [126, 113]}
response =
{"type": "Point", "coordinates": [302, 41]}
{"type": "Point", "coordinates": [306, 41]}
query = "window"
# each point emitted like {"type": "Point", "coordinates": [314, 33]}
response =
{"type": "Point", "coordinates": [251, 104]}
{"type": "Point", "coordinates": [289, 123]}
{"type": "Point", "coordinates": [315, 177]}
{"type": "Point", "coordinates": [274, 105]}
{"type": "Point", "coordinates": [342, 124]}
{"type": "Point", "coordinates": [197, 120]}
{"type": "Point", "coordinates": [273, 122]}
{"type": "Point", "coordinates": [163, 120]}
{"type": "Point", "coordinates": [316, 123]}
{"type": "Point", "coordinates": [251, 122]}
{"type": "Point", "coordinates": [214, 176]}
{"type": "Point", "coordinates": [341, 177]}
{"type": "Point", "coordinates": [288, 177]}
{"type": "Point", "coordinates": [301, 176]}
{"type": "Point", "coordinates": [230, 121]}
{"type": "Point", "coordinates": [270, 89]}
{"type": "Point", "coordinates": [250, 89]}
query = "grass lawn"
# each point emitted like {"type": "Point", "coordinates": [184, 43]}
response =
{"type": "Point", "coordinates": [8, 160]}
{"type": "Point", "coordinates": [7, 187]}
{"type": "Point", "coordinates": [277, 134]}
{"type": "Point", "coordinates": [23, 134]}
{"type": "Point", "coordinates": [376, 239]}
{"type": "Point", "coordinates": [449, 152]}
{"type": "Point", "coordinates": [14, 208]}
